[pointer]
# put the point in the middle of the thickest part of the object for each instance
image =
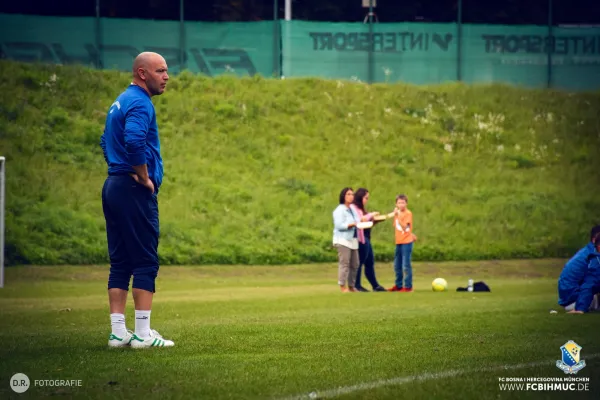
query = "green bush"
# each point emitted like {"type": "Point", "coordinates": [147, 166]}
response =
{"type": "Point", "coordinates": [253, 166]}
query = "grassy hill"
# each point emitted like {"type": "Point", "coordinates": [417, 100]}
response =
{"type": "Point", "coordinates": [253, 167]}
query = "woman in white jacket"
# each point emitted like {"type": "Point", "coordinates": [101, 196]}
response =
{"type": "Point", "coordinates": [345, 239]}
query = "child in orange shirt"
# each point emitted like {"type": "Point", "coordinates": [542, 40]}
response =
{"type": "Point", "coordinates": [403, 226]}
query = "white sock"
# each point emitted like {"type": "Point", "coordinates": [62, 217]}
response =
{"type": "Point", "coordinates": [117, 321]}
{"type": "Point", "coordinates": [142, 324]}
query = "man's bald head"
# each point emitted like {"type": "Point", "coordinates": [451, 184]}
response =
{"type": "Point", "coordinates": [150, 72]}
{"type": "Point", "coordinates": [145, 60]}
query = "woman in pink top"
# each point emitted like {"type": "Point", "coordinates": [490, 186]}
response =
{"type": "Point", "coordinates": [365, 251]}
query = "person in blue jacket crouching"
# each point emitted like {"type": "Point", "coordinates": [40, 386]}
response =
{"type": "Point", "coordinates": [579, 281]}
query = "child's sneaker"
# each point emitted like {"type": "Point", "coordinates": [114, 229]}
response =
{"type": "Point", "coordinates": [115, 341]}
{"type": "Point", "coordinates": [154, 340]}
{"type": "Point", "coordinates": [396, 289]}
{"type": "Point", "coordinates": [406, 290]}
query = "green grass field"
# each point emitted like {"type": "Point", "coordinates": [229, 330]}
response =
{"type": "Point", "coordinates": [254, 167]}
{"type": "Point", "coordinates": [279, 332]}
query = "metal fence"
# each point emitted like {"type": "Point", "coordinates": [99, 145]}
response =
{"type": "Point", "coordinates": [420, 49]}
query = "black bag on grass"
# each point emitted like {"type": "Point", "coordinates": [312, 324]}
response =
{"type": "Point", "coordinates": [477, 287]}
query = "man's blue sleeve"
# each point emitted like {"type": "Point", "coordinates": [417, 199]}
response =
{"type": "Point", "coordinates": [103, 145]}
{"type": "Point", "coordinates": [137, 122]}
{"type": "Point", "coordinates": [590, 281]}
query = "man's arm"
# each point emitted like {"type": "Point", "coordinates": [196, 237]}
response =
{"type": "Point", "coordinates": [137, 122]}
{"type": "Point", "coordinates": [142, 172]}
{"type": "Point", "coordinates": [103, 146]}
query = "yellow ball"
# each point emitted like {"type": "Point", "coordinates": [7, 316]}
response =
{"type": "Point", "coordinates": [439, 285]}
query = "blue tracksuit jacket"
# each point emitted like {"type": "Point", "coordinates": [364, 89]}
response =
{"type": "Point", "coordinates": [580, 279]}
{"type": "Point", "coordinates": [131, 135]}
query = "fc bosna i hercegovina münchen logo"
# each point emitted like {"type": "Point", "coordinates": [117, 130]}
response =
{"type": "Point", "coordinates": [570, 363]}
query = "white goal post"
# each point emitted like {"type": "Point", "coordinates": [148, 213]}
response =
{"type": "Point", "coordinates": [2, 185]}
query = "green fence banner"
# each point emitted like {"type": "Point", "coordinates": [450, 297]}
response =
{"type": "Point", "coordinates": [419, 53]}
{"type": "Point", "coordinates": [519, 55]}
{"type": "Point", "coordinates": [48, 39]}
{"type": "Point", "coordinates": [208, 48]}
{"type": "Point", "coordinates": [416, 53]}
{"type": "Point", "coordinates": [425, 53]}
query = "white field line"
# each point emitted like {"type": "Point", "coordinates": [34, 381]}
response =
{"type": "Point", "coordinates": [416, 378]}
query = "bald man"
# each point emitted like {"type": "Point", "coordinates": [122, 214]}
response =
{"type": "Point", "coordinates": [131, 148]}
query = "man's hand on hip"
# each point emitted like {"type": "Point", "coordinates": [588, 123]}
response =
{"type": "Point", "coordinates": [147, 183]}
{"type": "Point", "coordinates": [141, 176]}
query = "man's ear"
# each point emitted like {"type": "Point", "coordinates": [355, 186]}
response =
{"type": "Point", "coordinates": [142, 73]}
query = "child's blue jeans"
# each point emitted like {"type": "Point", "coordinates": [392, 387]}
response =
{"type": "Point", "coordinates": [402, 265]}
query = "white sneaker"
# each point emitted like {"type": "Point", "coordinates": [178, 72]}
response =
{"type": "Point", "coordinates": [115, 341]}
{"type": "Point", "coordinates": [154, 340]}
